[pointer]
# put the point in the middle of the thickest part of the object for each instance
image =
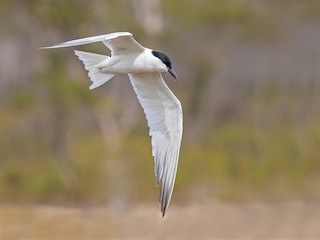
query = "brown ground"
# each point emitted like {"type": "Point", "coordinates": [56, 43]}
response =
{"type": "Point", "coordinates": [292, 220]}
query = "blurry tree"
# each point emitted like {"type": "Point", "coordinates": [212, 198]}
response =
{"type": "Point", "coordinates": [149, 14]}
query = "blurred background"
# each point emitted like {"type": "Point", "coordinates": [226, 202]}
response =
{"type": "Point", "coordinates": [250, 88]}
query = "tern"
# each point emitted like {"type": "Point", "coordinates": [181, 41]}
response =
{"type": "Point", "coordinates": [161, 107]}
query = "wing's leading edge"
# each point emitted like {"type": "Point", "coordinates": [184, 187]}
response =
{"type": "Point", "coordinates": [116, 42]}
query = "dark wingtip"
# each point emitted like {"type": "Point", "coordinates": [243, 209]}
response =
{"type": "Point", "coordinates": [164, 205]}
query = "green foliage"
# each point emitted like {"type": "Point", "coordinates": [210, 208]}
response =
{"type": "Point", "coordinates": [21, 183]}
{"type": "Point", "coordinates": [62, 15]}
{"type": "Point", "coordinates": [21, 99]}
{"type": "Point", "coordinates": [233, 158]}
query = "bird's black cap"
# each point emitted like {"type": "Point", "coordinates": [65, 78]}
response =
{"type": "Point", "coordinates": [166, 60]}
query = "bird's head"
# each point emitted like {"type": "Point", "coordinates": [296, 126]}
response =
{"type": "Point", "coordinates": [166, 61]}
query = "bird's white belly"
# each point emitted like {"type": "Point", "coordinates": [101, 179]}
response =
{"type": "Point", "coordinates": [130, 63]}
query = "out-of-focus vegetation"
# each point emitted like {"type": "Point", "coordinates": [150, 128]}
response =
{"type": "Point", "coordinates": [250, 89]}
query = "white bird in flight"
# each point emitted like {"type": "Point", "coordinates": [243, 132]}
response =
{"type": "Point", "coordinates": [161, 107]}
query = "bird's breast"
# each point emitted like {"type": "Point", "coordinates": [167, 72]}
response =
{"type": "Point", "coordinates": [131, 63]}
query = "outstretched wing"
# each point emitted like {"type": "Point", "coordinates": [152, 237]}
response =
{"type": "Point", "coordinates": [118, 42]}
{"type": "Point", "coordinates": [164, 114]}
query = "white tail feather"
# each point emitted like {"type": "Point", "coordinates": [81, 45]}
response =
{"type": "Point", "coordinates": [89, 61]}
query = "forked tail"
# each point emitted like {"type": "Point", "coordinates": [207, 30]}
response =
{"type": "Point", "coordinates": [90, 60]}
